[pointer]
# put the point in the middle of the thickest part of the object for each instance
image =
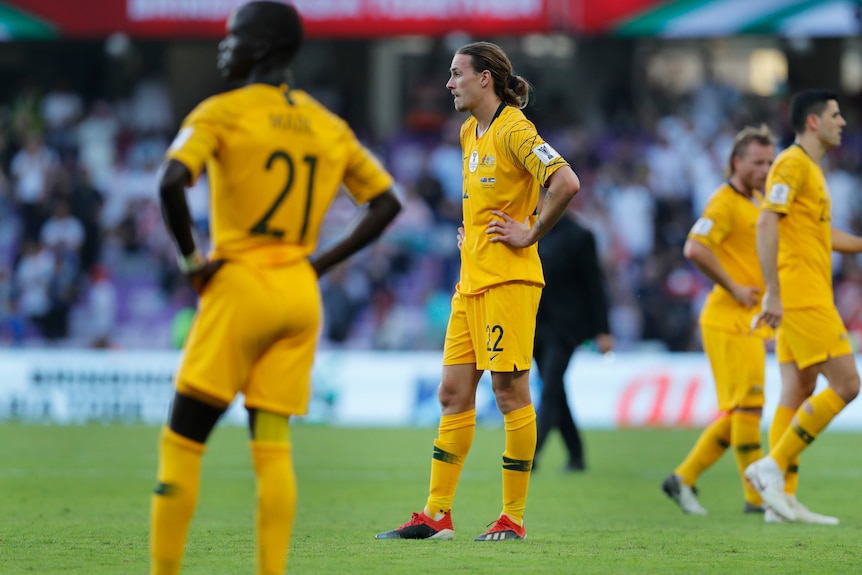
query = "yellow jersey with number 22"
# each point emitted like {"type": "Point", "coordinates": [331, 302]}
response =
{"type": "Point", "coordinates": [503, 170]}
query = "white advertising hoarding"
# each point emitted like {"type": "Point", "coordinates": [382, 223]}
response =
{"type": "Point", "coordinates": [355, 388]}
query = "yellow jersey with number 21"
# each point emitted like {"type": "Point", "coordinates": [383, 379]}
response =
{"type": "Point", "coordinates": [275, 159]}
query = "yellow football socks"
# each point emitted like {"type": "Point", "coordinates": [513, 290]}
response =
{"type": "Point", "coordinates": [276, 504]}
{"type": "Point", "coordinates": [710, 446]}
{"type": "Point", "coordinates": [745, 440]}
{"type": "Point", "coordinates": [520, 427]}
{"type": "Point", "coordinates": [780, 422]}
{"type": "Point", "coordinates": [173, 502]}
{"type": "Point", "coordinates": [811, 418]}
{"type": "Point", "coordinates": [454, 438]}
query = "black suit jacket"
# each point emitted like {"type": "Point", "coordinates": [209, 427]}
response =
{"type": "Point", "coordinates": [574, 305]}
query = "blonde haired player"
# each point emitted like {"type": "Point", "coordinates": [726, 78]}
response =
{"type": "Point", "coordinates": [493, 317]}
{"type": "Point", "coordinates": [275, 159]}
{"type": "Point", "coordinates": [722, 245]}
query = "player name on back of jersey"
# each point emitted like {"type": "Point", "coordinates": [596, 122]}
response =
{"type": "Point", "coordinates": [290, 123]}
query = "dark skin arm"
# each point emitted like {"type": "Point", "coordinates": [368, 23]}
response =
{"type": "Point", "coordinates": [378, 213]}
{"type": "Point", "coordinates": [174, 178]}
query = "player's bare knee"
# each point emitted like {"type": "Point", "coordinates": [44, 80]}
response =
{"type": "Point", "coordinates": [505, 402]}
{"type": "Point", "coordinates": [850, 390]}
{"type": "Point", "coordinates": [846, 386]}
{"type": "Point", "coordinates": [452, 396]}
{"type": "Point", "coordinates": [510, 398]}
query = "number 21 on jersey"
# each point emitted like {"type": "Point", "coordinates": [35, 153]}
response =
{"type": "Point", "coordinates": [263, 225]}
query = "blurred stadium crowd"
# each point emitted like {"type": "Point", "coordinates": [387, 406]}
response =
{"type": "Point", "coordinates": [85, 260]}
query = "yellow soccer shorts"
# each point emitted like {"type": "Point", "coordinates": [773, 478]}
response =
{"type": "Point", "coordinates": [738, 364]}
{"type": "Point", "coordinates": [494, 329]}
{"type": "Point", "coordinates": [811, 335]}
{"type": "Point", "coordinates": [255, 332]}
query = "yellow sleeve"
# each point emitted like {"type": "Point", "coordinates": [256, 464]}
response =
{"type": "Point", "coordinates": [199, 137]}
{"type": "Point", "coordinates": [785, 181]}
{"type": "Point", "coordinates": [523, 145]}
{"type": "Point", "coordinates": [714, 225]}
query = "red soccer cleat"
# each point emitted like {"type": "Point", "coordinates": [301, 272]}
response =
{"type": "Point", "coordinates": [503, 529]}
{"type": "Point", "coordinates": [421, 526]}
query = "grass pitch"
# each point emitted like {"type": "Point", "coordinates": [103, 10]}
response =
{"type": "Point", "coordinates": [75, 500]}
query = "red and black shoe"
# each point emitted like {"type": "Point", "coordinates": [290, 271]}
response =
{"type": "Point", "coordinates": [421, 526]}
{"type": "Point", "coordinates": [503, 529]}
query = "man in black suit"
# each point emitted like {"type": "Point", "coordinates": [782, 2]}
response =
{"type": "Point", "coordinates": [573, 309]}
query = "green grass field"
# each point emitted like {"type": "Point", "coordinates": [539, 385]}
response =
{"type": "Point", "coordinates": [75, 500]}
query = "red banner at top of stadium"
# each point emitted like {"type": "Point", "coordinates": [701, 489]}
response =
{"type": "Point", "coordinates": [479, 18]}
{"type": "Point", "coordinates": [322, 18]}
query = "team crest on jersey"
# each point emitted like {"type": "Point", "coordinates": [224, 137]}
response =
{"type": "Point", "coordinates": [489, 161]}
{"type": "Point", "coordinates": [546, 153]}
{"type": "Point", "coordinates": [702, 227]}
{"type": "Point", "coordinates": [779, 193]}
{"type": "Point", "coordinates": [474, 161]}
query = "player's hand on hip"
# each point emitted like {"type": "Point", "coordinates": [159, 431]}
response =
{"type": "Point", "coordinates": [508, 230]}
{"type": "Point", "coordinates": [200, 278]}
{"type": "Point", "coordinates": [461, 236]}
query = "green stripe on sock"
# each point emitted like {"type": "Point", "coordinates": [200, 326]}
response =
{"type": "Point", "coordinates": [517, 464]}
{"type": "Point", "coordinates": [803, 435]}
{"type": "Point", "coordinates": [446, 457]}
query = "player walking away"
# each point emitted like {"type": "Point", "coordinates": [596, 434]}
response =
{"type": "Point", "coordinates": [493, 318]}
{"type": "Point", "coordinates": [275, 159]}
{"type": "Point", "coordinates": [723, 246]}
{"type": "Point", "coordinates": [795, 239]}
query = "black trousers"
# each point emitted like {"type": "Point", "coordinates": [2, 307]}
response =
{"type": "Point", "coordinates": [552, 358]}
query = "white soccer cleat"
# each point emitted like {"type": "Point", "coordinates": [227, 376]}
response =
{"type": "Point", "coordinates": [767, 479]}
{"type": "Point", "coordinates": [805, 515]}
{"type": "Point", "coordinates": [684, 495]}
{"type": "Point", "coordinates": [771, 516]}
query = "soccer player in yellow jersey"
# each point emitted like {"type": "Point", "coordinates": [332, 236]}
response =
{"type": "Point", "coordinates": [722, 245]}
{"type": "Point", "coordinates": [794, 243]}
{"type": "Point", "coordinates": [275, 159]}
{"type": "Point", "coordinates": [493, 317]}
